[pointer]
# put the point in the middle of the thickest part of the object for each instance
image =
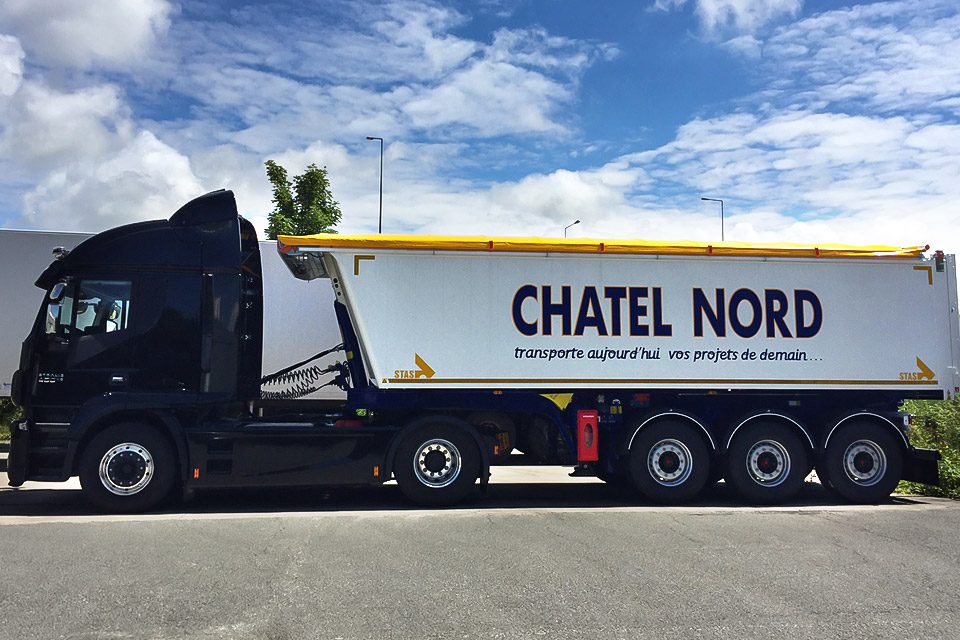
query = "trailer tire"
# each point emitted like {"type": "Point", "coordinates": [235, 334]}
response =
{"type": "Point", "coordinates": [766, 463]}
{"type": "Point", "coordinates": [669, 462]}
{"type": "Point", "coordinates": [437, 463]}
{"type": "Point", "coordinates": [127, 467]}
{"type": "Point", "coordinates": [864, 463]}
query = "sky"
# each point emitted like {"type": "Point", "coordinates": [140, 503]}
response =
{"type": "Point", "coordinates": [814, 121]}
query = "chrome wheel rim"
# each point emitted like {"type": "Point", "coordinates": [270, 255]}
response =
{"type": "Point", "coordinates": [437, 463]}
{"type": "Point", "coordinates": [768, 463]}
{"type": "Point", "coordinates": [865, 462]}
{"type": "Point", "coordinates": [669, 463]}
{"type": "Point", "coordinates": [126, 469]}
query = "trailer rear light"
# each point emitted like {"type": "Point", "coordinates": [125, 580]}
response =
{"type": "Point", "coordinates": [349, 424]}
{"type": "Point", "coordinates": [587, 449]}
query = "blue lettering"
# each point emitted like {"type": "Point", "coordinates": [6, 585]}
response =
{"type": "Point", "coordinates": [590, 313]}
{"type": "Point", "coordinates": [524, 327]}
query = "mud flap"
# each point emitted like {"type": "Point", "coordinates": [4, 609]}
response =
{"type": "Point", "coordinates": [920, 465]}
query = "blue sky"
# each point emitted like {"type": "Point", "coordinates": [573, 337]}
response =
{"type": "Point", "coordinates": [814, 121]}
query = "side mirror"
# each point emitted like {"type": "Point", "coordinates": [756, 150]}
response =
{"type": "Point", "coordinates": [56, 294]}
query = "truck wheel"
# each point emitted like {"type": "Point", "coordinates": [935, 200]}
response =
{"type": "Point", "coordinates": [669, 462]}
{"type": "Point", "coordinates": [437, 463]}
{"type": "Point", "coordinates": [127, 467]}
{"type": "Point", "coordinates": [766, 463]}
{"type": "Point", "coordinates": [864, 463]}
{"type": "Point", "coordinates": [498, 426]}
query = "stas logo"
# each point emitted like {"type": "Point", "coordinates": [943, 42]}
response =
{"type": "Point", "coordinates": [639, 312]}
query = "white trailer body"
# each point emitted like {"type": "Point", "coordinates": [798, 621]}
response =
{"type": "Point", "coordinates": [298, 318]}
{"type": "Point", "coordinates": [581, 314]}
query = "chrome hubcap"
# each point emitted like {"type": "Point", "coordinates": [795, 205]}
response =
{"type": "Point", "coordinates": [669, 463]}
{"type": "Point", "coordinates": [865, 462]}
{"type": "Point", "coordinates": [437, 463]}
{"type": "Point", "coordinates": [126, 469]}
{"type": "Point", "coordinates": [768, 463]}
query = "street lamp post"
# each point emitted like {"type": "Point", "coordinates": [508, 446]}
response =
{"type": "Point", "coordinates": [721, 213]}
{"type": "Point", "coordinates": [568, 226]}
{"type": "Point", "coordinates": [380, 226]}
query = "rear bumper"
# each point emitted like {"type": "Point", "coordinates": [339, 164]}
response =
{"type": "Point", "coordinates": [920, 465]}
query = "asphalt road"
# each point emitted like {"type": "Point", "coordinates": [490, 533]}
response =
{"type": "Point", "coordinates": [540, 557]}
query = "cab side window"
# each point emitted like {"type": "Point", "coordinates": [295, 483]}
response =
{"type": "Point", "coordinates": [88, 307]}
{"type": "Point", "coordinates": [102, 306]}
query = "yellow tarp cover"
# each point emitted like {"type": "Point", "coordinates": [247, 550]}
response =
{"type": "Point", "coordinates": [584, 245]}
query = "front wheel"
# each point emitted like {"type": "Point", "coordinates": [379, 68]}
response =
{"type": "Point", "coordinates": [437, 462]}
{"type": "Point", "coordinates": [127, 467]}
{"type": "Point", "coordinates": [863, 462]}
{"type": "Point", "coordinates": [669, 462]}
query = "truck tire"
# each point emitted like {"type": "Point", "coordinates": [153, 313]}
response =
{"type": "Point", "coordinates": [766, 463]}
{"type": "Point", "coordinates": [669, 462]}
{"type": "Point", "coordinates": [437, 462]}
{"type": "Point", "coordinates": [127, 467]}
{"type": "Point", "coordinates": [864, 462]}
{"type": "Point", "coordinates": [500, 427]}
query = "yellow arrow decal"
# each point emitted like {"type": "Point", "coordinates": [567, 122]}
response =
{"type": "Point", "coordinates": [423, 370]}
{"type": "Point", "coordinates": [926, 373]}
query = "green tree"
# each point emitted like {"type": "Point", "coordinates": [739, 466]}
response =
{"type": "Point", "coordinates": [304, 207]}
{"type": "Point", "coordinates": [8, 414]}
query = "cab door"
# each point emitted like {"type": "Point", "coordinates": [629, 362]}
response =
{"type": "Point", "coordinates": [85, 349]}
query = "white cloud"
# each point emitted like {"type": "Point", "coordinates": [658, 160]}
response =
{"type": "Point", "coordinates": [46, 126]}
{"type": "Point", "coordinates": [396, 71]}
{"type": "Point", "coordinates": [893, 56]}
{"type": "Point", "coordinates": [736, 15]}
{"type": "Point", "coordinates": [476, 98]}
{"type": "Point", "coordinates": [145, 180]}
{"type": "Point", "coordinates": [11, 65]}
{"type": "Point", "coordinates": [90, 166]}
{"type": "Point", "coordinates": [85, 33]}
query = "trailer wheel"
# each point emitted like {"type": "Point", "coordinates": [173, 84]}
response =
{"type": "Point", "coordinates": [669, 462]}
{"type": "Point", "coordinates": [127, 467]}
{"type": "Point", "coordinates": [766, 463]}
{"type": "Point", "coordinates": [864, 463]}
{"type": "Point", "coordinates": [437, 463]}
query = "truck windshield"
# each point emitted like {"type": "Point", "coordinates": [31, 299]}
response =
{"type": "Point", "coordinates": [90, 306]}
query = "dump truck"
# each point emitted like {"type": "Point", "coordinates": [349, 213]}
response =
{"type": "Point", "coordinates": [658, 366]}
